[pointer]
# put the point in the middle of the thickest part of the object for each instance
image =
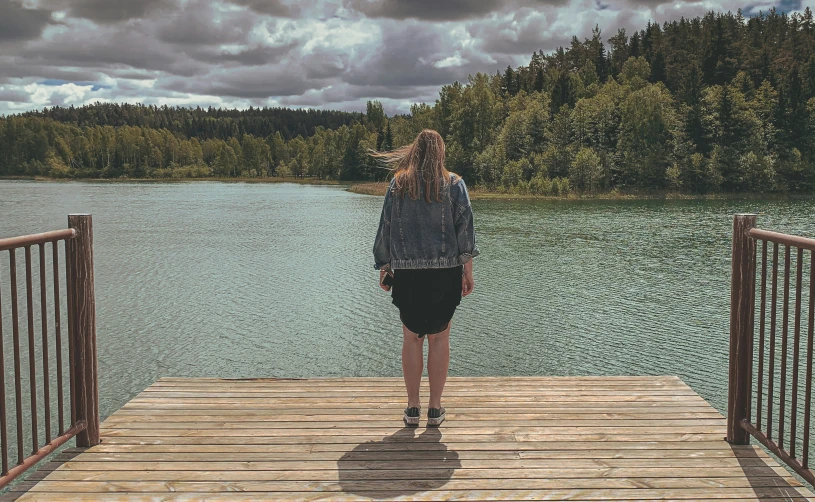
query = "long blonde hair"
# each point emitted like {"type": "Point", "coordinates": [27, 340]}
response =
{"type": "Point", "coordinates": [421, 162]}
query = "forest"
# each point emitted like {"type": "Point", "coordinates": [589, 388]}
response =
{"type": "Point", "coordinates": [720, 103]}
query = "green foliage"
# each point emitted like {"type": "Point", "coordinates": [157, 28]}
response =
{"type": "Point", "coordinates": [636, 72]}
{"type": "Point", "coordinates": [586, 171]}
{"type": "Point", "coordinates": [375, 114]}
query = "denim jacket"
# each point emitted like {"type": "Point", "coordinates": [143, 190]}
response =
{"type": "Point", "coordinates": [418, 234]}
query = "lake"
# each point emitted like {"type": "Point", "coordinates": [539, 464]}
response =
{"type": "Point", "coordinates": [209, 279]}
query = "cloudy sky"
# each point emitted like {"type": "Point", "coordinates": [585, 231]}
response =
{"type": "Point", "coordinates": [313, 53]}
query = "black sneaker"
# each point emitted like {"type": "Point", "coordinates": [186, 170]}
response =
{"type": "Point", "coordinates": [411, 417]}
{"type": "Point", "coordinates": [435, 416]}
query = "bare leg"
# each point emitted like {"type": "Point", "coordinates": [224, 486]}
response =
{"type": "Point", "coordinates": [412, 361]}
{"type": "Point", "coordinates": [438, 362]}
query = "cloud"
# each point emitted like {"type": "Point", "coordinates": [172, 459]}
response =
{"type": "Point", "coordinates": [14, 95]}
{"type": "Point", "coordinates": [433, 10]}
{"type": "Point", "coordinates": [110, 11]}
{"type": "Point", "coordinates": [306, 53]}
{"type": "Point", "coordinates": [199, 23]}
{"type": "Point", "coordinates": [81, 44]}
{"type": "Point", "coordinates": [271, 7]}
{"type": "Point", "coordinates": [20, 23]}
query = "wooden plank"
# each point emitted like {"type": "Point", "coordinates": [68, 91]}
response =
{"type": "Point", "coordinates": [467, 414]}
{"type": "Point", "coordinates": [400, 392]}
{"type": "Point", "coordinates": [732, 495]}
{"type": "Point", "coordinates": [596, 425]}
{"type": "Point", "coordinates": [175, 436]}
{"type": "Point", "coordinates": [491, 395]}
{"type": "Point", "coordinates": [311, 415]}
{"type": "Point", "coordinates": [461, 478]}
{"type": "Point", "coordinates": [124, 437]}
{"type": "Point", "coordinates": [475, 383]}
{"type": "Point", "coordinates": [192, 429]}
{"type": "Point", "coordinates": [408, 485]}
{"type": "Point", "coordinates": [384, 409]}
{"type": "Point", "coordinates": [577, 407]}
{"type": "Point", "coordinates": [441, 458]}
{"type": "Point", "coordinates": [545, 446]}
{"type": "Point", "coordinates": [366, 400]}
{"type": "Point", "coordinates": [137, 468]}
{"type": "Point", "coordinates": [581, 448]}
{"type": "Point", "coordinates": [460, 442]}
{"type": "Point", "coordinates": [451, 379]}
{"type": "Point", "coordinates": [283, 452]}
{"type": "Point", "coordinates": [380, 390]}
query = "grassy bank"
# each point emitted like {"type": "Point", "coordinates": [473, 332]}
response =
{"type": "Point", "coordinates": [477, 193]}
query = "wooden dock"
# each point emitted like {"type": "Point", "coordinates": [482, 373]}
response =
{"type": "Point", "coordinates": [506, 438]}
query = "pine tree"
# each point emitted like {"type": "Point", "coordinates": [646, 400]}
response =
{"type": "Point", "coordinates": [387, 144]}
{"type": "Point", "coordinates": [658, 71]}
{"type": "Point", "coordinates": [539, 79]}
{"type": "Point", "coordinates": [619, 52]}
{"type": "Point", "coordinates": [634, 48]}
{"type": "Point", "coordinates": [508, 82]}
{"type": "Point", "coordinates": [810, 76]}
{"type": "Point", "coordinates": [796, 114]}
{"type": "Point", "coordinates": [691, 88]}
{"type": "Point", "coordinates": [562, 93]}
{"type": "Point", "coordinates": [598, 57]}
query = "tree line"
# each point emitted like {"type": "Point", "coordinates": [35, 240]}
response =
{"type": "Point", "coordinates": [720, 103]}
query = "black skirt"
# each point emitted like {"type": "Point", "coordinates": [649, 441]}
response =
{"type": "Point", "coordinates": [427, 298]}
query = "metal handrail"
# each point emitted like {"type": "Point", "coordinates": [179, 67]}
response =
{"type": "Point", "coordinates": [742, 337]}
{"type": "Point", "coordinates": [36, 239]}
{"type": "Point", "coordinates": [83, 382]}
{"type": "Point", "coordinates": [785, 239]}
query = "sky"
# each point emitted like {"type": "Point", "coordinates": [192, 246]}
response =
{"type": "Point", "coordinates": [327, 54]}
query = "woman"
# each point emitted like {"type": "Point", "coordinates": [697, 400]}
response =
{"type": "Point", "coordinates": [424, 247]}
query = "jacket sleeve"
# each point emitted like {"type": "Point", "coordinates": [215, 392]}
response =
{"type": "Point", "coordinates": [463, 221]}
{"type": "Point", "coordinates": [382, 244]}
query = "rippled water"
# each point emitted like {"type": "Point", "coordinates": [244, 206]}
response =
{"type": "Point", "coordinates": [251, 280]}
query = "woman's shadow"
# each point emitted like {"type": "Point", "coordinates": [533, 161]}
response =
{"type": "Point", "coordinates": [400, 464]}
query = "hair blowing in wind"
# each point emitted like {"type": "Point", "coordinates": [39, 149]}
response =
{"type": "Point", "coordinates": [421, 162]}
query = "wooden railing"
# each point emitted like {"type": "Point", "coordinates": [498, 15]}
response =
{"type": "Point", "coordinates": [79, 299]}
{"type": "Point", "coordinates": [779, 398]}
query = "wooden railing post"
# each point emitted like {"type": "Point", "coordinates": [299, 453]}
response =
{"type": "Point", "coordinates": [742, 306]}
{"type": "Point", "coordinates": [83, 304]}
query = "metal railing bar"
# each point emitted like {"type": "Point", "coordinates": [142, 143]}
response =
{"type": "Point", "coordinates": [762, 326]}
{"type": "Point", "coordinates": [46, 393]}
{"type": "Point", "coordinates": [18, 390]}
{"type": "Point", "coordinates": [782, 402]}
{"type": "Point", "coordinates": [32, 369]}
{"type": "Point", "coordinates": [796, 351]}
{"type": "Point", "coordinates": [779, 452]}
{"type": "Point", "coordinates": [57, 329]}
{"type": "Point", "coordinates": [68, 288]}
{"type": "Point", "coordinates": [3, 424]}
{"type": "Point", "coordinates": [808, 391]}
{"type": "Point", "coordinates": [36, 239]}
{"type": "Point", "coordinates": [771, 369]}
{"type": "Point", "coordinates": [41, 453]}
{"type": "Point", "coordinates": [787, 240]}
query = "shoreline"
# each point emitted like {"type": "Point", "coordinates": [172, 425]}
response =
{"type": "Point", "coordinates": [378, 189]}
